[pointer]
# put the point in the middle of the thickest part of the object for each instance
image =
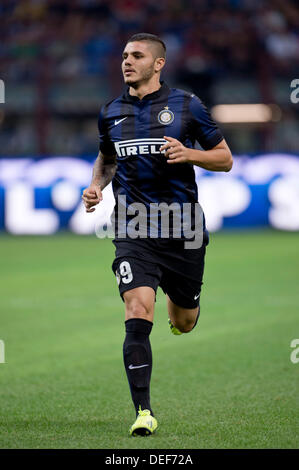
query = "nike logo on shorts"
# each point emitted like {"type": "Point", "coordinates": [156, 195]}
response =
{"type": "Point", "coordinates": [117, 121]}
{"type": "Point", "coordinates": [137, 367]}
{"type": "Point", "coordinates": [196, 297]}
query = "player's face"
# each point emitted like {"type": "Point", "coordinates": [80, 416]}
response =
{"type": "Point", "coordinates": [138, 65]}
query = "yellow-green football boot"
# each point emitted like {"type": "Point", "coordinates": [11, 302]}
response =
{"type": "Point", "coordinates": [144, 425]}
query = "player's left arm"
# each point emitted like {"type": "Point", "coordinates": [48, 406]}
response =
{"type": "Point", "coordinates": [215, 156]}
{"type": "Point", "coordinates": [218, 158]}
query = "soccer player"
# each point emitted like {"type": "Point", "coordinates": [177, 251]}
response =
{"type": "Point", "coordinates": [147, 138]}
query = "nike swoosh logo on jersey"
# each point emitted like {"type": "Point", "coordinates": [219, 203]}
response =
{"type": "Point", "coordinates": [117, 121]}
{"type": "Point", "coordinates": [137, 367]}
{"type": "Point", "coordinates": [196, 297]}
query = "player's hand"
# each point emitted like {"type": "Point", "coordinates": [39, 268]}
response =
{"type": "Point", "coordinates": [175, 151]}
{"type": "Point", "coordinates": [91, 197]}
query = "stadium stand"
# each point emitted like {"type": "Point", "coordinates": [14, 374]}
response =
{"type": "Point", "coordinates": [60, 61]}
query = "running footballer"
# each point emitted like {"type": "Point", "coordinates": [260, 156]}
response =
{"type": "Point", "coordinates": [147, 138]}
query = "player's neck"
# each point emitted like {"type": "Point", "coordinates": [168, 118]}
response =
{"type": "Point", "coordinates": [145, 89]}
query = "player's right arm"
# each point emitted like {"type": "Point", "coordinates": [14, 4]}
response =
{"type": "Point", "coordinates": [104, 167]}
{"type": "Point", "coordinates": [102, 174]}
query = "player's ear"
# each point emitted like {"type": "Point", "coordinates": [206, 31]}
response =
{"type": "Point", "coordinates": [159, 64]}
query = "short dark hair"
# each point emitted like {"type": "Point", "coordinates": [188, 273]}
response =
{"type": "Point", "coordinates": [151, 38]}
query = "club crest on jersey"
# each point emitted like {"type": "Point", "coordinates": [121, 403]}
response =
{"type": "Point", "coordinates": [165, 116]}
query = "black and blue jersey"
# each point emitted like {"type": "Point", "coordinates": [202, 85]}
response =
{"type": "Point", "coordinates": [133, 130]}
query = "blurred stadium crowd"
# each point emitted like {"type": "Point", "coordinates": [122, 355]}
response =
{"type": "Point", "coordinates": [60, 60]}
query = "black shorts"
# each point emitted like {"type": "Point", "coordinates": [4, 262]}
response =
{"type": "Point", "coordinates": [161, 262]}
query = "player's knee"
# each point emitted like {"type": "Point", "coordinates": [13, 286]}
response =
{"type": "Point", "coordinates": [187, 327]}
{"type": "Point", "coordinates": [135, 308]}
{"type": "Point", "coordinates": [188, 324]}
{"type": "Point", "coordinates": [184, 327]}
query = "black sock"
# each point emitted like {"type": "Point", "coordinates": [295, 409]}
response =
{"type": "Point", "coordinates": [137, 355]}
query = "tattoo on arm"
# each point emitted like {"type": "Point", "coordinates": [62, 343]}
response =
{"type": "Point", "coordinates": [103, 170]}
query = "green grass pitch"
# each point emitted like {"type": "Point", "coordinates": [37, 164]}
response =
{"type": "Point", "coordinates": [229, 383]}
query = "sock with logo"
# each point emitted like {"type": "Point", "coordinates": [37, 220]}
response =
{"type": "Point", "coordinates": [137, 355]}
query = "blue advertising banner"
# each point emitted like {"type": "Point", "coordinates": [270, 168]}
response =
{"type": "Point", "coordinates": [43, 196]}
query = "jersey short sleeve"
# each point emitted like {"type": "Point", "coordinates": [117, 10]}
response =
{"type": "Point", "coordinates": [204, 129]}
{"type": "Point", "coordinates": [106, 145]}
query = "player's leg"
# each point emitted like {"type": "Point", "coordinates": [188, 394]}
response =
{"type": "Point", "coordinates": [140, 303]}
{"type": "Point", "coordinates": [137, 353]}
{"type": "Point", "coordinates": [183, 319]}
{"type": "Point", "coordinates": [182, 283]}
{"type": "Point", "coordinates": [138, 281]}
